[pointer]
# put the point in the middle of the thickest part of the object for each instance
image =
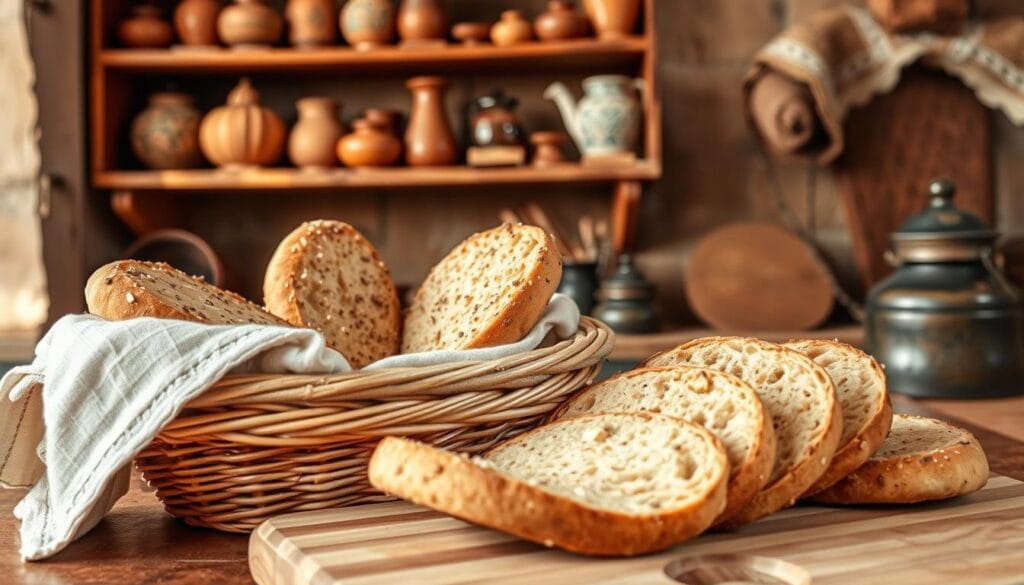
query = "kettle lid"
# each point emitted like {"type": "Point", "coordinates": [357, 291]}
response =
{"type": "Point", "coordinates": [942, 215]}
{"type": "Point", "coordinates": [943, 231]}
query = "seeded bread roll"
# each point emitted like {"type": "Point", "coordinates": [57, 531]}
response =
{"type": "Point", "coordinates": [921, 459]}
{"type": "Point", "coordinates": [128, 289]}
{"type": "Point", "coordinates": [863, 394]}
{"type": "Point", "coordinates": [609, 485]}
{"type": "Point", "coordinates": [721, 403]}
{"type": "Point", "coordinates": [326, 276]}
{"type": "Point", "coordinates": [490, 290]}
{"type": "Point", "coordinates": [799, 396]}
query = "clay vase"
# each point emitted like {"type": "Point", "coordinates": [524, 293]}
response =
{"type": "Point", "coordinates": [613, 19]}
{"type": "Point", "coordinates": [242, 133]}
{"type": "Point", "coordinates": [368, 24]}
{"type": "Point", "coordinates": [249, 23]}
{"type": "Point", "coordinates": [145, 29]}
{"type": "Point", "coordinates": [311, 142]}
{"type": "Point", "coordinates": [196, 22]}
{"type": "Point", "coordinates": [165, 135]}
{"type": "Point", "coordinates": [428, 137]}
{"type": "Point", "coordinates": [547, 148]}
{"type": "Point", "coordinates": [422, 21]}
{"type": "Point", "coordinates": [310, 22]}
{"type": "Point", "coordinates": [511, 29]}
{"type": "Point", "coordinates": [560, 21]}
{"type": "Point", "coordinates": [371, 144]}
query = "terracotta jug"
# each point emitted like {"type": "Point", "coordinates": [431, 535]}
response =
{"type": "Point", "coordinates": [249, 23]}
{"type": "Point", "coordinates": [165, 135]}
{"type": "Point", "coordinates": [613, 19]}
{"type": "Point", "coordinates": [371, 144]}
{"type": "Point", "coordinates": [368, 24]}
{"type": "Point", "coordinates": [310, 22]}
{"type": "Point", "coordinates": [560, 21]}
{"type": "Point", "coordinates": [422, 21]}
{"type": "Point", "coordinates": [145, 29]}
{"type": "Point", "coordinates": [311, 142]}
{"type": "Point", "coordinates": [196, 22]}
{"type": "Point", "coordinates": [242, 133]}
{"type": "Point", "coordinates": [511, 29]}
{"type": "Point", "coordinates": [428, 138]}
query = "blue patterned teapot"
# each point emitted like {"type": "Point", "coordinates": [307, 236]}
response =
{"type": "Point", "coordinates": [607, 120]}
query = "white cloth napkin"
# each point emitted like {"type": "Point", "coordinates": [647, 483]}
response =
{"type": "Point", "coordinates": [99, 391]}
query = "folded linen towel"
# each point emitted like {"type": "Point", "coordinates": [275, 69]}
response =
{"type": "Point", "coordinates": [99, 391]}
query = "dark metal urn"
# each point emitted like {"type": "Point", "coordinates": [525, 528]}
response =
{"type": "Point", "coordinates": [947, 324]}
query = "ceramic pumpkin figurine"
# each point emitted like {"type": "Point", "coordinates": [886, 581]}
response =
{"type": "Point", "coordinates": [242, 132]}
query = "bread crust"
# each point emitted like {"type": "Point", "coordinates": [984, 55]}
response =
{"type": "Point", "coordinates": [463, 487]}
{"type": "Point", "coordinates": [516, 318]}
{"type": "Point", "coordinates": [869, 438]}
{"type": "Point", "coordinates": [119, 290]}
{"type": "Point", "coordinates": [784, 491]}
{"type": "Point", "coordinates": [285, 298]}
{"type": "Point", "coordinates": [746, 479]}
{"type": "Point", "coordinates": [944, 472]}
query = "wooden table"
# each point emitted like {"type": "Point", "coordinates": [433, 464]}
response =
{"type": "Point", "coordinates": [139, 543]}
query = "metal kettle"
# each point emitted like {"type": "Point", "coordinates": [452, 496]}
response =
{"type": "Point", "coordinates": [946, 323]}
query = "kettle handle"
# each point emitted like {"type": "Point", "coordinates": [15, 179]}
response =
{"type": "Point", "coordinates": [988, 258]}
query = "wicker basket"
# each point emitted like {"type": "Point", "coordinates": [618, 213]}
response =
{"type": "Point", "coordinates": [254, 446]}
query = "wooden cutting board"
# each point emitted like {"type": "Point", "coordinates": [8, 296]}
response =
{"type": "Point", "coordinates": [978, 539]}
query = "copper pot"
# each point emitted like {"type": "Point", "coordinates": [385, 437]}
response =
{"type": "Point", "coordinates": [946, 323]}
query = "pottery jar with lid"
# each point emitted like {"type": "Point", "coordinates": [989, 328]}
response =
{"type": "Point", "coordinates": [494, 122]}
{"type": "Point", "coordinates": [372, 143]}
{"type": "Point", "coordinates": [560, 21]}
{"type": "Point", "coordinates": [145, 28]}
{"type": "Point", "coordinates": [946, 323]}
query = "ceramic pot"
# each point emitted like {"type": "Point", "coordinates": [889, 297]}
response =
{"type": "Point", "coordinates": [310, 22]}
{"type": "Point", "coordinates": [512, 29]}
{"type": "Point", "coordinates": [428, 137]}
{"type": "Point", "coordinates": [165, 135]}
{"type": "Point", "coordinates": [145, 29]}
{"type": "Point", "coordinates": [368, 24]}
{"type": "Point", "coordinates": [607, 119]}
{"type": "Point", "coordinates": [371, 144]}
{"type": "Point", "coordinates": [422, 21]}
{"type": "Point", "coordinates": [613, 19]}
{"type": "Point", "coordinates": [547, 148]}
{"type": "Point", "coordinates": [472, 33]}
{"type": "Point", "coordinates": [560, 21]}
{"type": "Point", "coordinates": [196, 22]}
{"type": "Point", "coordinates": [312, 139]}
{"type": "Point", "coordinates": [494, 122]}
{"type": "Point", "coordinates": [249, 23]}
{"type": "Point", "coordinates": [242, 133]}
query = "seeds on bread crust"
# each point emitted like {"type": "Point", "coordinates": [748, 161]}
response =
{"type": "Point", "coordinates": [326, 276]}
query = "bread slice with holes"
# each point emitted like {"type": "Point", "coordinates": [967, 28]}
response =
{"type": "Point", "coordinates": [720, 402]}
{"type": "Point", "coordinates": [863, 395]}
{"type": "Point", "coordinates": [608, 485]}
{"type": "Point", "coordinates": [127, 289]}
{"type": "Point", "coordinates": [490, 290]}
{"type": "Point", "coordinates": [798, 395]}
{"type": "Point", "coordinates": [326, 276]}
{"type": "Point", "coordinates": [921, 459]}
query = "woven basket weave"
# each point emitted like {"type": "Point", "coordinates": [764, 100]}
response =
{"type": "Point", "coordinates": [254, 446]}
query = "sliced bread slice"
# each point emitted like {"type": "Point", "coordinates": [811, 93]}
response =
{"type": "Point", "coordinates": [609, 485]}
{"type": "Point", "coordinates": [798, 395]}
{"type": "Point", "coordinates": [720, 402]}
{"type": "Point", "coordinates": [491, 289]}
{"type": "Point", "coordinates": [126, 289]}
{"type": "Point", "coordinates": [863, 397]}
{"type": "Point", "coordinates": [921, 459]}
{"type": "Point", "coordinates": [326, 276]}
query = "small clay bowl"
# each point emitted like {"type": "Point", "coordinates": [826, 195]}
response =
{"type": "Point", "coordinates": [472, 33]}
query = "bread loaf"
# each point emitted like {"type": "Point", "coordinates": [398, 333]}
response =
{"type": "Point", "coordinates": [490, 290]}
{"type": "Point", "coordinates": [722, 403]}
{"type": "Point", "coordinates": [326, 276]}
{"type": "Point", "coordinates": [610, 485]}
{"type": "Point", "coordinates": [131, 288]}
{"type": "Point", "coordinates": [798, 395]}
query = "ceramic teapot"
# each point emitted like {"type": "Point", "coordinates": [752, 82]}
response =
{"type": "Point", "coordinates": [607, 120]}
{"type": "Point", "coordinates": [946, 323]}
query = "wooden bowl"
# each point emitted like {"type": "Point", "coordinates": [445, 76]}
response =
{"type": "Point", "coordinates": [725, 569]}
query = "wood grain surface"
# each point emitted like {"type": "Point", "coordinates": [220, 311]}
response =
{"type": "Point", "coordinates": [970, 540]}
